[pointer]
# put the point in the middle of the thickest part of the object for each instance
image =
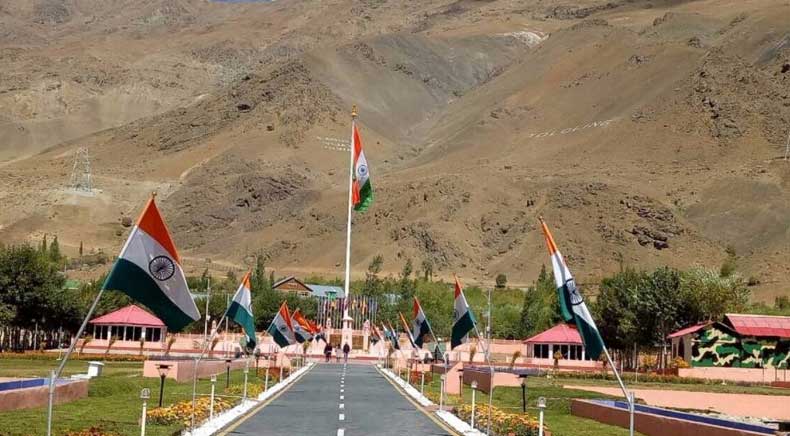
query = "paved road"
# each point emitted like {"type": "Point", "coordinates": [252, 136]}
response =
{"type": "Point", "coordinates": [337, 401]}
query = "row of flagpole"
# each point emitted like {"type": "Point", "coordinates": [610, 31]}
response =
{"type": "Point", "coordinates": [149, 271]}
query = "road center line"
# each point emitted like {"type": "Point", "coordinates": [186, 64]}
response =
{"type": "Point", "coordinates": [342, 417]}
{"type": "Point", "coordinates": [341, 432]}
{"type": "Point", "coordinates": [342, 397]}
{"type": "Point", "coordinates": [342, 406]}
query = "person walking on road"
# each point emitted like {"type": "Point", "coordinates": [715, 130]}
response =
{"type": "Point", "coordinates": [337, 353]}
{"type": "Point", "coordinates": [328, 352]}
{"type": "Point", "coordinates": [346, 350]}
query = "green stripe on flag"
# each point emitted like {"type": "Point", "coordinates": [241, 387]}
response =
{"type": "Point", "coordinates": [245, 319]}
{"type": "Point", "coordinates": [365, 197]}
{"type": "Point", "coordinates": [133, 281]}
{"type": "Point", "coordinates": [461, 328]}
{"type": "Point", "coordinates": [279, 338]}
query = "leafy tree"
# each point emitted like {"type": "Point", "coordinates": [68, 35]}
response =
{"type": "Point", "coordinates": [730, 264]}
{"type": "Point", "coordinates": [372, 285]}
{"type": "Point", "coordinates": [501, 281]}
{"type": "Point", "coordinates": [540, 309]}
{"type": "Point", "coordinates": [31, 289]}
{"type": "Point", "coordinates": [54, 251]}
{"type": "Point", "coordinates": [427, 268]}
{"type": "Point", "coordinates": [258, 279]}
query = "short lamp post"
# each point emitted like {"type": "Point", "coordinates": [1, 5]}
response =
{"type": "Point", "coordinates": [474, 388]}
{"type": "Point", "coordinates": [461, 384]}
{"type": "Point", "coordinates": [541, 407]}
{"type": "Point", "coordinates": [257, 358]}
{"type": "Point", "coordinates": [227, 373]}
{"type": "Point", "coordinates": [268, 367]}
{"type": "Point", "coordinates": [211, 406]}
{"type": "Point", "coordinates": [163, 369]}
{"type": "Point", "coordinates": [246, 371]}
{"type": "Point", "coordinates": [441, 391]}
{"type": "Point", "coordinates": [145, 394]}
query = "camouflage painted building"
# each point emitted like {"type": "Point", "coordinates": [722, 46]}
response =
{"type": "Point", "coordinates": [738, 341]}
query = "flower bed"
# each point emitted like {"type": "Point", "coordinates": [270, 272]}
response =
{"type": "Point", "coordinates": [502, 423]}
{"type": "Point", "coordinates": [253, 390]}
{"type": "Point", "coordinates": [181, 412]}
{"type": "Point", "coordinates": [39, 355]}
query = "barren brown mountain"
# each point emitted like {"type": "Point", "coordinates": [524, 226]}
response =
{"type": "Point", "coordinates": [645, 132]}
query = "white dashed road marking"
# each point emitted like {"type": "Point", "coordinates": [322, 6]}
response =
{"type": "Point", "coordinates": [342, 417]}
{"type": "Point", "coordinates": [341, 432]}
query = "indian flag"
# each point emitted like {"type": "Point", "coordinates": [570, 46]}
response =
{"type": "Point", "coordinates": [240, 311]}
{"type": "Point", "coordinates": [393, 337]}
{"type": "Point", "coordinates": [419, 324]}
{"type": "Point", "coordinates": [361, 189]}
{"type": "Point", "coordinates": [281, 329]}
{"type": "Point", "coordinates": [406, 329]}
{"type": "Point", "coordinates": [572, 305]}
{"type": "Point", "coordinates": [149, 271]}
{"type": "Point", "coordinates": [375, 337]}
{"type": "Point", "coordinates": [464, 319]}
{"type": "Point", "coordinates": [301, 327]}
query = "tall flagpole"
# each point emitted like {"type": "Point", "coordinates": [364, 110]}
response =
{"type": "Point", "coordinates": [350, 206]}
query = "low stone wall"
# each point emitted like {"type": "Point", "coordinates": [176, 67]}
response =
{"type": "Point", "coordinates": [649, 424]}
{"type": "Point", "coordinates": [16, 399]}
{"type": "Point", "coordinates": [483, 379]}
{"type": "Point", "coordinates": [181, 370]}
{"type": "Point", "coordinates": [752, 375]}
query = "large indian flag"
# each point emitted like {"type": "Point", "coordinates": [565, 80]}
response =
{"type": "Point", "coordinates": [419, 324]}
{"type": "Point", "coordinates": [240, 310]}
{"type": "Point", "coordinates": [281, 329]}
{"type": "Point", "coordinates": [301, 327]}
{"type": "Point", "coordinates": [149, 271]}
{"type": "Point", "coordinates": [361, 188]}
{"type": "Point", "coordinates": [572, 305]}
{"type": "Point", "coordinates": [464, 319]}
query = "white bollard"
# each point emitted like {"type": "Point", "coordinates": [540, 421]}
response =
{"type": "Point", "coordinates": [145, 394]}
{"type": "Point", "coordinates": [474, 389]}
{"type": "Point", "coordinates": [246, 372]}
{"type": "Point", "coordinates": [281, 374]}
{"type": "Point", "coordinates": [211, 405]}
{"type": "Point", "coordinates": [631, 407]}
{"type": "Point", "coordinates": [541, 406]}
{"type": "Point", "coordinates": [422, 383]}
{"type": "Point", "coordinates": [441, 392]}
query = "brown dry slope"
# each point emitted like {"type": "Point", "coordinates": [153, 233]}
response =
{"type": "Point", "coordinates": [649, 132]}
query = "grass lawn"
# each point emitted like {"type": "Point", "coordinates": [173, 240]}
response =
{"type": "Point", "coordinates": [557, 417]}
{"type": "Point", "coordinates": [113, 401]}
{"type": "Point", "coordinates": [716, 387]}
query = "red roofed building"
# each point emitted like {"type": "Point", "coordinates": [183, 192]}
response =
{"type": "Point", "coordinates": [738, 341]}
{"type": "Point", "coordinates": [563, 338]}
{"type": "Point", "coordinates": [129, 324]}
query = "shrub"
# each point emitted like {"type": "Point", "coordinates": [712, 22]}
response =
{"type": "Point", "coordinates": [502, 423]}
{"type": "Point", "coordinates": [516, 355]}
{"type": "Point", "coordinates": [181, 412]}
{"type": "Point", "coordinates": [253, 389]}
{"type": "Point", "coordinates": [679, 362]}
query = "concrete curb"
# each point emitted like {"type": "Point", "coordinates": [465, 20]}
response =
{"type": "Point", "coordinates": [222, 420]}
{"type": "Point", "coordinates": [448, 418]}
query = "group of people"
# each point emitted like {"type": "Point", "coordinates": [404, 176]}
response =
{"type": "Point", "coordinates": [329, 348]}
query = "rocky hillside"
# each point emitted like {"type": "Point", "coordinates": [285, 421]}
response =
{"type": "Point", "coordinates": [645, 132]}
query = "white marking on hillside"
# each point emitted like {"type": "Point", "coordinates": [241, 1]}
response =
{"type": "Point", "coordinates": [530, 38]}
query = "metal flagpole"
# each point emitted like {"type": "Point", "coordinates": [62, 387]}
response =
{"type": "Point", "coordinates": [350, 206]}
{"type": "Point", "coordinates": [629, 396]}
{"type": "Point", "coordinates": [208, 298]}
{"type": "Point", "coordinates": [197, 363]}
{"type": "Point", "coordinates": [55, 374]}
{"type": "Point", "coordinates": [491, 387]}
